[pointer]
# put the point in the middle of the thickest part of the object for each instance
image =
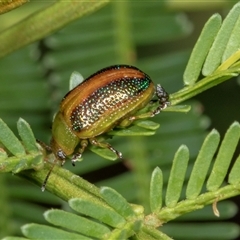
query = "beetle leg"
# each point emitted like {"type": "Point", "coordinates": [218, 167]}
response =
{"type": "Point", "coordinates": [61, 156]}
{"type": "Point", "coordinates": [128, 121]}
{"type": "Point", "coordinates": [95, 142]}
{"type": "Point", "coordinates": [162, 96]}
{"type": "Point", "coordinates": [44, 145]}
{"type": "Point", "coordinates": [78, 155]}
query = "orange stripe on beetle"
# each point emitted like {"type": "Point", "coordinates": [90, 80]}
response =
{"type": "Point", "coordinates": [106, 99]}
{"type": "Point", "coordinates": [100, 103]}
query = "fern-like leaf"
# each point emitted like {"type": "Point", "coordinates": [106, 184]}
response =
{"type": "Point", "coordinates": [216, 44]}
{"type": "Point", "coordinates": [216, 53]}
{"type": "Point", "coordinates": [114, 218]}
{"type": "Point", "coordinates": [26, 156]}
{"type": "Point", "coordinates": [198, 176]}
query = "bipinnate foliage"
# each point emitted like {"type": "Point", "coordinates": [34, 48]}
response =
{"type": "Point", "coordinates": [105, 213]}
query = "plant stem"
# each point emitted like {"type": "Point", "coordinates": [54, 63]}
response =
{"type": "Point", "coordinates": [167, 214]}
{"type": "Point", "coordinates": [64, 183]}
{"type": "Point", "coordinates": [204, 84]}
{"type": "Point", "coordinates": [44, 22]}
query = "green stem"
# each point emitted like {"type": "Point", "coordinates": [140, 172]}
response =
{"type": "Point", "coordinates": [167, 214]}
{"type": "Point", "coordinates": [123, 37]}
{"type": "Point", "coordinates": [64, 183]}
{"type": "Point", "coordinates": [154, 233]}
{"type": "Point", "coordinates": [40, 24]}
{"type": "Point", "coordinates": [204, 84]}
{"type": "Point", "coordinates": [229, 62]}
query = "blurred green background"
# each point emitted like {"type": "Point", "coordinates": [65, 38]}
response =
{"type": "Point", "coordinates": [155, 36]}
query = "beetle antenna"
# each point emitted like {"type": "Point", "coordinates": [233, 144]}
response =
{"type": "Point", "coordinates": [46, 179]}
{"type": "Point", "coordinates": [44, 145]}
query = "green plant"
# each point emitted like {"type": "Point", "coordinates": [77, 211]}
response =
{"type": "Point", "coordinates": [110, 216]}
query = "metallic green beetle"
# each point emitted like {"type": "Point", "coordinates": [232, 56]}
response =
{"type": "Point", "coordinates": [106, 99]}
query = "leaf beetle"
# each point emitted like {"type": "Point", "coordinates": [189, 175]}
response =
{"type": "Point", "coordinates": [109, 98]}
{"type": "Point", "coordinates": [106, 99]}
